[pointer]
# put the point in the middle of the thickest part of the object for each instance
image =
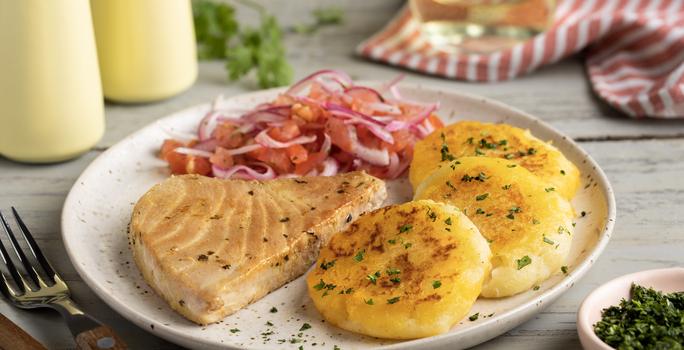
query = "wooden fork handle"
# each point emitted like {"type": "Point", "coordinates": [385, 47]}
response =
{"type": "Point", "coordinates": [98, 338]}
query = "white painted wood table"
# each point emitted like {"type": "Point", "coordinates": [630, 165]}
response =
{"type": "Point", "coordinates": [643, 159]}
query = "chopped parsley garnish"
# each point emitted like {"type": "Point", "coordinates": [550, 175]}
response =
{"type": "Point", "coordinates": [548, 241]}
{"type": "Point", "coordinates": [478, 152]}
{"type": "Point", "coordinates": [509, 156]}
{"type": "Point", "coordinates": [436, 284]}
{"type": "Point", "coordinates": [531, 151]}
{"type": "Point", "coordinates": [304, 327]}
{"type": "Point", "coordinates": [503, 142]}
{"type": "Point", "coordinates": [393, 300]}
{"type": "Point", "coordinates": [322, 285]}
{"type": "Point", "coordinates": [405, 228]}
{"type": "Point", "coordinates": [488, 145]}
{"type": "Point", "coordinates": [369, 301]}
{"type": "Point", "coordinates": [234, 330]}
{"type": "Point", "coordinates": [448, 221]}
{"type": "Point", "coordinates": [510, 216]}
{"type": "Point", "coordinates": [474, 316]}
{"type": "Point", "coordinates": [562, 229]}
{"type": "Point", "coordinates": [373, 278]}
{"type": "Point", "coordinates": [649, 320]}
{"type": "Point", "coordinates": [395, 279]}
{"type": "Point", "coordinates": [392, 241]}
{"type": "Point", "coordinates": [359, 256]}
{"type": "Point", "coordinates": [549, 189]}
{"type": "Point", "coordinates": [515, 210]}
{"type": "Point", "coordinates": [431, 214]}
{"type": "Point", "coordinates": [393, 271]}
{"type": "Point", "coordinates": [326, 265]}
{"type": "Point", "coordinates": [506, 187]}
{"type": "Point", "coordinates": [482, 197]}
{"type": "Point", "coordinates": [535, 288]}
{"type": "Point", "coordinates": [524, 261]}
{"type": "Point", "coordinates": [564, 269]}
{"type": "Point", "coordinates": [562, 172]}
{"type": "Point", "coordinates": [285, 219]}
{"type": "Point", "coordinates": [479, 211]}
{"type": "Point", "coordinates": [481, 177]}
{"type": "Point", "coordinates": [407, 245]}
{"type": "Point", "coordinates": [535, 221]}
{"type": "Point", "coordinates": [511, 165]}
{"type": "Point", "coordinates": [469, 141]}
{"type": "Point", "coordinates": [445, 149]}
{"type": "Point", "coordinates": [583, 214]}
{"type": "Point", "coordinates": [448, 183]}
{"type": "Point", "coordinates": [274, 309]}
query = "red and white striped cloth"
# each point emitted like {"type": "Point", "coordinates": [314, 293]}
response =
{"type": "Point", "coordinates": [635, 52]}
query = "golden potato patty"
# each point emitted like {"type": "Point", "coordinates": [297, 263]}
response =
{"type": "Point", "coordinates": [405, 271]}
{"type": "Point", "coordinates": [472, 138]}
{"type": "Point", "coordinates": [528, 224]}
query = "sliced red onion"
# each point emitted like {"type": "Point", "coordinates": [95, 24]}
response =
{"type": "Point", "coordinates": [207, 145]}
{"type": "Point", "coordinates": [244, 172]}
{"type": "Point", "coordinates": [263, 116]}
{"type": "Point", "coordinates": [344, 111]}
{"type": "Point", "coordinates": [384, 108]}
{"type": "Point", "coordinates": [370, 155]}
{"type": "Point", "coordinates": [327, 144]}
{"type": "Point", "coordinates": [330, 167]}
{"type": "Point", "coordinates": [422, 116]}
{"type": "Point", "coordinates": [337, 76]}
{"type": "Point", "coordinates": [354, 89]}
{"type": "Point", "coordinates": [244, 149]}
{"type": "Point", "coordinates": [267, 141]}
{"type": "Point", "coordinates": [422, 132]}
{"type": "Point", "coordinates": [207, 125]}
{"type": "Point", "coordinates": [193, 152]}
{"type": "Point", "coordinates": [377, 130]}
{"type": "Point", "coordinates": [396, 167]}
{"type": "Point", "coordinates": [246, 128]}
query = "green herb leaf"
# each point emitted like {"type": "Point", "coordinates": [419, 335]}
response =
{"type": "Point", "coordinates": [304, 327]}
{"type": "Point", "coordinates": [524, 261]}
{"type": "Point", "coordinates": [446, 156]}
{"type": "Point", "coordinates": [482, 197]}
{"type": "Point", "coordinates": [393, 300]}
{"type": "Point", "coordinates": [436, 284]}
{"type": "Point", "coordinates": [359, 256]}
{"type": "Point", "coordinates": [405, 228]}
{"type": "Point", "coordinates": [474, 317]}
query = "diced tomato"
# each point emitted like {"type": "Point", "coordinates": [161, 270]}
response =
{"type": "Point", "coordinates": [402, 139]}
{"type": "Point", "coordinates": [277, 158]}
{"type": "Point", "coordinates": [435, 121]}
{"type": "Point", "coordinates": [177, 162]}
{"type": "Point", "coordinates": [313, 160]}
{"type": "Point", "coordinates": [339, 134]}
{"type": "Point", "coordinates": [286, 132]}
{"type": "Point", "coordinates": [167, 148]}
{"type": "Point", "coordinates": [227, 136]}
{"type": "Point", "coordinates": [222, 158]}
{"type": "Point", "coordinates": [198, 165]}
{"type": "Point", "coordinates": [367, 138]}
{"type": "Point", "coordinates": [297, 153]}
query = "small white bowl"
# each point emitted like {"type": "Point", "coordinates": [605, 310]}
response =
{"type": "Point", "coordinates": [609, 294]}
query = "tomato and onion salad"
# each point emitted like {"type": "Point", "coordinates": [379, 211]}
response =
{"type": "Point", "coordinates": [322, 125]}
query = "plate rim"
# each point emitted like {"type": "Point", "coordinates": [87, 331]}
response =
{"type": "Point", "coordinates": [513, 317]}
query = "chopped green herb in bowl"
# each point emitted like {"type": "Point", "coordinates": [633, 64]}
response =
{"type": "Point", "coordinates": [649, 320]}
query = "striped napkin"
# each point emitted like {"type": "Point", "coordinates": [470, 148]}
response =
{"type": "Point", "coordinates": [634, 56]}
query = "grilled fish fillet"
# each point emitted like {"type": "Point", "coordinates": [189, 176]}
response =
{"type": "Point", "coordinates": [210, 247]}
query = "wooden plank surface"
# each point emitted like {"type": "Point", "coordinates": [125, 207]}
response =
{"type": "Point", "coordinates": [643, 159]}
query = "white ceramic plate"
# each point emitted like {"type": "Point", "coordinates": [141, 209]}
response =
{"type": "Point", "coordinates": [98, 209]}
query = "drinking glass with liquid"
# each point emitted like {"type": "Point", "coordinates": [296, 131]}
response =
{"type": "Point", "coordinates": [481, 26]}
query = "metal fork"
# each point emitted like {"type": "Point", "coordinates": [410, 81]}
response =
{"type": "Point", "coordinates": [52, 292]}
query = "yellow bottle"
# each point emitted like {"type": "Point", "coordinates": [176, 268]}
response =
{"type": "Point", "coordinates": [146, 48]}
{"type": "Point", "coordinates": [51, 106]}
